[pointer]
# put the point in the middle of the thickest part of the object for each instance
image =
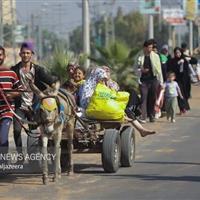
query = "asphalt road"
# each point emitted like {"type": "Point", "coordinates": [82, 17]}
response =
{"type": "Point", "coordinates": [167, 167]}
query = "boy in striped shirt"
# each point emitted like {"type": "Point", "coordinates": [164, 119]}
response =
{"type": "Point", "coordinates": [8, 81]}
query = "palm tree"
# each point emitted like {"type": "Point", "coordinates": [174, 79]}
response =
{"type": "Point", "coordinates": [58, 61]}
{"type": "Point", "coordinates": [121, 60]}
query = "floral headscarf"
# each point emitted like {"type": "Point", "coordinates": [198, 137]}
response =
{"type": "Point", "coordinates": [87, 89]}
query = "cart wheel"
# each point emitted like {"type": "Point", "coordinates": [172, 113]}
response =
{"type": "Point", "coordinates": [111, 150]}
{"type": "Point", "coordinates": [127, 146]}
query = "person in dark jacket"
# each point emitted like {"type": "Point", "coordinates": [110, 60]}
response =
{"type": "Point", "coordinates": [150, 78]}
{"type": "Point", "coordinates": [24, 102]}
{"type": "Point", "coordinates": [179, 65]}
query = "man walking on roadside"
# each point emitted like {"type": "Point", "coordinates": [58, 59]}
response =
{"type": "Point", "coordinates": [150, 77]}
{"type": "Point", "coordinates": [24, 102]}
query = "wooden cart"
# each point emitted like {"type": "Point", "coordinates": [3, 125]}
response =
{"type": "Point", "coordinates": [115, 141]}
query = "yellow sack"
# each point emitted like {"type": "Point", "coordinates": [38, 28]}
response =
{"type": "Point", "coordinates": [122, 98]}
{"type": "Point", "coordinates": [107, 104]}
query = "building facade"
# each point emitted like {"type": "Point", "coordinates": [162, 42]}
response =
{"type": "Point", "coordinates": [8, 11]}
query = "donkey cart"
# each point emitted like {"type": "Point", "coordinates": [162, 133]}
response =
{"type": "Point", "coordinates": [113, 139]}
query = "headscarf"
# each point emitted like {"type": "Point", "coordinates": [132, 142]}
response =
{"type": "Point", "coordinates": [180, 50]}
{"type": "Point", "coordinates": [166, 47]}
{"type": "Point", "coordinates": [110, 83]}
{"type": "Point", "coordinates": [87, 89]}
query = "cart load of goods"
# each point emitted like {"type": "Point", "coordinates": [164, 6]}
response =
{"type": "Point", "coordinates": [107, 104]}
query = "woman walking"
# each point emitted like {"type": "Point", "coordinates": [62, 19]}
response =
{"type": "Point", "coordinates": [179, 66]}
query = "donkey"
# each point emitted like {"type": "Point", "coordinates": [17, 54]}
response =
{"type": "Point", "coordinates": [55, 115]}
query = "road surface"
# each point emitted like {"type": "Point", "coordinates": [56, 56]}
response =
{"type": "Point", "coordinates": [167, 167]}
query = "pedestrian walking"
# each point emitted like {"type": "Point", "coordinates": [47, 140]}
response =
{"type": "Point", "coordinates": [172, 91]}
{"type": "Point", "coordinates": [179, 65]}
{"type": "Point", "coordinates": [150, 78]}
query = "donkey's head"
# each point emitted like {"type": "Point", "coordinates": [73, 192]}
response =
{"type": "Point", "coordinates": [47, 112]}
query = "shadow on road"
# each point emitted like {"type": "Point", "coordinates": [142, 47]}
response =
{"type": "Point", "coordinates": [157, 177]}
{"type": "Point", "coordinates": [19, 179]}
{"type": "Point", "coordinates": [165, 162]}
{"type": "Point", "coordinates": [25, 177]}
{"type": "Point", "coordinates": [81, 168]}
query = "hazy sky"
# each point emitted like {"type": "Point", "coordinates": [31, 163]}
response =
{"type": "Point", "coordinates": [64, 15]}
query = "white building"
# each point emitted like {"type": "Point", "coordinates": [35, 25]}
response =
{"type": "Point", "coordinates": [8, 11]}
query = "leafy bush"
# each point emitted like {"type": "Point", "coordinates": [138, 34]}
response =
{"type": "Point", "coordinates": [58, 61]}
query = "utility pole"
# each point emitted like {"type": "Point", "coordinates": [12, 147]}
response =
{"type": "Point", "coordinates": [109, 22]}
{"type": "Point", "coordinates": [173, 37]}
{"type": "Point", "coordinates": [40, 46]}
{"type": "Point", "coordinates": [106, 30]}
{"type": "Point", "coordinates": [32, 25]}
{"type": "Point", "coordinates": [151, 27]}
{"type": "Point", "coordinates": [1, 23]}
{"type": "Point", "coordinates": [13, 30]}
{"type": "Point", "coordinates": [179, 36]}
{"type": "Point", "coordinates": [198, 36]}
{"type": "Point", "coordinates": [191, 36]}
{"type": "Point", "coordinates": [86, 30]}
{"type": "Point", "coordinates": [113, 28]}
{"type": "Point", "coordinates": [40, 34]}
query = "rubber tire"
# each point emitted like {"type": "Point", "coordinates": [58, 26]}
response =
{"type": "Point", "coordinates": [127, 146]}
{"type": "Point", "coordinates": [111, 141]}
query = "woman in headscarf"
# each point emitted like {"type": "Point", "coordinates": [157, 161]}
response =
{"type": "Point", "coordinates": [179, 66]}
{"type": "Point", "coordinates": [102, 74]}
{"type": "Point", "coordinates": [95, 76]}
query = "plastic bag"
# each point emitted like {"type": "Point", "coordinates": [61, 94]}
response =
{"type": "Point", "coordinates": [107, 104]}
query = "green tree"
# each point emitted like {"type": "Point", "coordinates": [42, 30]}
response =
{"type": "Point", "coordinates": [51, 43]}
{"type": "Point", "coordinates": [161, 31]}
{"type": "Point", "coordinates": [76, 44]}
{"type": "Point", "coordinates": [57, 62]}
{"type": "Point", "coordinates": [7, 30]}
{"type": "Point", "coordinates": [121, 59]}
{"type": "Point", "coordinates": [130, 28]}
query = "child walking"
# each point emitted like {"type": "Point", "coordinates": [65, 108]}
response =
{"type": "Point", "coordinates": [172, 90]}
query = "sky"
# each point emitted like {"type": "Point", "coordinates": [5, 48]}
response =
{"type": "Point", "coordinates": [64, 15]}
